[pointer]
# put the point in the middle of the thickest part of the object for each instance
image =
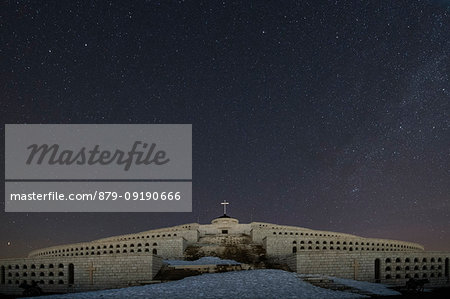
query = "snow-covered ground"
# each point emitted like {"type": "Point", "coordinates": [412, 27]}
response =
{"type": "Point", "coordinates": [209, 260]}
{"type": "Point", "coordinates": [239, 284]}
{"type": "Point", "coordinates": [374, 288]}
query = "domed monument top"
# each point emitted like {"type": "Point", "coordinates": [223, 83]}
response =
{"type": "Point", "coordinates": [225, 219]}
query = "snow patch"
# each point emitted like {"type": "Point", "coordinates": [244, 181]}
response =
{"type": "Point", "coordinates": [374, 288]}
{"type": "Point", "coordinates": [238, 284]}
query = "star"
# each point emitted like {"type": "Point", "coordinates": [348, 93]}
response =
{"type": "Point", "coordinates": [338, 113]}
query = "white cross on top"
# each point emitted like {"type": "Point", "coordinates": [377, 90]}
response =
{"type": "Point", "coordinates": [224, 203]}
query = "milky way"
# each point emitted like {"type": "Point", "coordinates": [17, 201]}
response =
{"type": "Point", "coordinates": [331, 115]}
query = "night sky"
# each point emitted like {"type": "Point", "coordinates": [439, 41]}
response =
{"type": "Point", "coordinates": [331, 115]}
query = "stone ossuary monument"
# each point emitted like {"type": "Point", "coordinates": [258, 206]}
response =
{"type": "Point", "coordinates": [135, 259]}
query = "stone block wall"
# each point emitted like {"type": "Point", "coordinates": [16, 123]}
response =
{"type": "Point", "coordinates": [135, 244]}
{"type": "Point", "coordinates": [171, 248]}
{"type": "Point", "coordinates": [278, 246]}
{"type": "Point", "coordinates": [393, 268]}
{"type": "Point", "coordinates": [217, 228]}
{"type": "Point", "coordinates": [76, 274]}
{"type": "Point", "coordinates": [168, 247]}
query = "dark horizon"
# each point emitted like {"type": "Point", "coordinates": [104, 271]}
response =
{"type": "Point", "coordinates": [326, 115]}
